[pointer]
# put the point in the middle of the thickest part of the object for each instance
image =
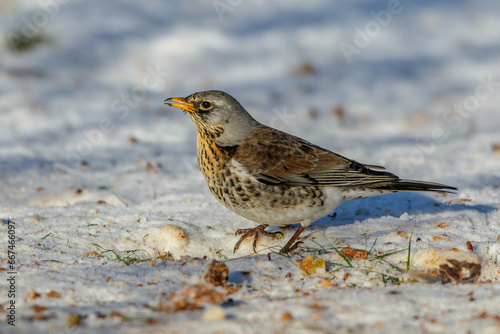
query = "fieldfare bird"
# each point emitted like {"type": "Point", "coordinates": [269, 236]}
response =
{"type": "Point", "coordinates": [273, 178]}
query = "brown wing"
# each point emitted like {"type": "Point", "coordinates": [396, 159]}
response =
{"type": "Point", "coordinates": [275, 157]}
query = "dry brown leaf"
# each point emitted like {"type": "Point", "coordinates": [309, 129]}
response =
{"type": "Point", "coordinates": [403, 234]}
{"type": "Point", "coordinates": [357, 254]}
{"type": "Point", "coordinates": [32, 295]}
{"type": "Point", "coordinates": [442, 225]}
{"type": "Point", "coordinates": [217, 273]}
{"type": "Point", "coordinates": [39, 309]}
{"type": "Point", "coordinates": [193, 297]}
{"type": "Point", "coordinates": [53, 294]}
{"type": "Point", "coordinates": [310, 264]}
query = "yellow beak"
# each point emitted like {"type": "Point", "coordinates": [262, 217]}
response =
{"type": "Point", "coordinates": [181, 103]}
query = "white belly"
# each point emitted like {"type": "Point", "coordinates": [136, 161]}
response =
{"type": "Point", "coordinates": [303, 214]}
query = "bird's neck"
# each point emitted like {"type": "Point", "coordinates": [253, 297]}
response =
{"type": "Point", "coordinates": [210, 152]}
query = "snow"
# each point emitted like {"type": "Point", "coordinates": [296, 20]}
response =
{"type": "Point", "coordinates": [113, 220]}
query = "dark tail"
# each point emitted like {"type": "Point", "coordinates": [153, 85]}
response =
{"type": "Point", "coordinates": [411, 185]}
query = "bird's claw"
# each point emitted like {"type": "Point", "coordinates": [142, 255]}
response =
{"type": "Point", "coordinates": [286, 250]}
{"type": "Point", "coordinates": [256, 232]}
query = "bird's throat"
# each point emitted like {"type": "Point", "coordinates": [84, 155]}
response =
{"type": "Point", "coordinates": [212, 156]}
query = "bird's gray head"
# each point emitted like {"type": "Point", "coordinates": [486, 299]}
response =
{"type": "Point", "coordinates": [218, 115]}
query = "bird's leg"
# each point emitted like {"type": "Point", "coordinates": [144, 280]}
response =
{"type": "Point", "coordinates": [256, 232]}
{"type": "Point", "coordinates": [290, 244]}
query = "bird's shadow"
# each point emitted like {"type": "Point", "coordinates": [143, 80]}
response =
{"type": "Point", "coordinates": [395, 205]}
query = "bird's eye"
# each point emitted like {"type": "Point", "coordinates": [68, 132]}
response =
{"type": "Point", "coordinates": [206, 105]}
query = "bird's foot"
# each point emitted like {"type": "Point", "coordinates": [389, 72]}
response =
{"type": "Point", "coordinates": [286, 250]}
{"type": "Point", "coordinates": [291, 245]}
{"type": "Point", "coordinates": [256, 232]}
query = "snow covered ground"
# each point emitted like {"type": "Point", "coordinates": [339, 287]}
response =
{"type": "Point", "coordinates": [114, 229]}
